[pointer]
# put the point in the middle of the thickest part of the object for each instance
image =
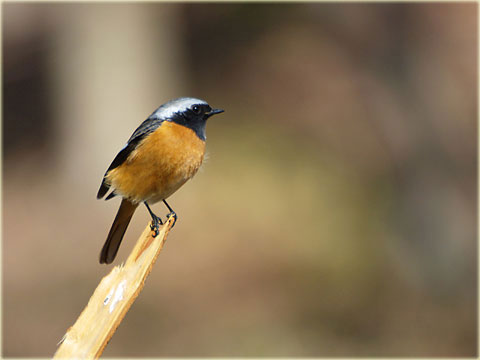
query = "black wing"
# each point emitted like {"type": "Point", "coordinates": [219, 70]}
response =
{"type": "Point", "coordinates": [145, 128]}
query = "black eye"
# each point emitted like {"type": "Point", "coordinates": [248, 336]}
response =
{"type": "Point", "coordinates": [197, 110]}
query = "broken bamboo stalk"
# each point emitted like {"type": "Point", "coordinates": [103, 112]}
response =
{"type": "Point", "coordinates": [112, 298]}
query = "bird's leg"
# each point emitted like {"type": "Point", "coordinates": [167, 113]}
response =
{"type": "Point", "coordinates": [156, 221]}
{"type": "Point", "coordinates": [171, 213]}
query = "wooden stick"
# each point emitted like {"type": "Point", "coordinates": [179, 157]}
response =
{"type": "Point", "coordinates": [112, 298]}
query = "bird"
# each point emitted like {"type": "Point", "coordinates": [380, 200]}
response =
{"type": "Point", "coordinates": [165, 151]}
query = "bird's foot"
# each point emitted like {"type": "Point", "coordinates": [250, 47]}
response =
{"type": "Point", "coordinates": [155, 225]}
{"type": "Point", "coordinates": [174, 215]}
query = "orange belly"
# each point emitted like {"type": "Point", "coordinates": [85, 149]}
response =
{"type": "Point", "coordinates": [160, 164]}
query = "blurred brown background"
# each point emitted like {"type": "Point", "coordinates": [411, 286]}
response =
{"type": "Point", "coordinates": [335, 216]}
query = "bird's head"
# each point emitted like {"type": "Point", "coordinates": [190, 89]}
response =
{"type": "Point", "coordinates": [190, 112]}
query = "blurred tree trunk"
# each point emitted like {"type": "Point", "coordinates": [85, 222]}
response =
{"type": "Point", "coordinates": [112, 65]}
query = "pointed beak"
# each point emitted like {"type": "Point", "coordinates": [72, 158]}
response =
{"type": "Point", "coordinates": [215, 111]}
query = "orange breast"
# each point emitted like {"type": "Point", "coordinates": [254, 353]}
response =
{"type": "Point", "coordinates": [160, 164]}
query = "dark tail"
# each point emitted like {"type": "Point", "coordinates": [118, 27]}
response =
{"type": "Point", "coordinates": [115, 236]}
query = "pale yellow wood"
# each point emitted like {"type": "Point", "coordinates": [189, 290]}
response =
{"type": "Point", "coordinates": [112, 298]}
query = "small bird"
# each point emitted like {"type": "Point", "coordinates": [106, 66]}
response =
{"type": "Point", "coordinates": [163, 153]}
